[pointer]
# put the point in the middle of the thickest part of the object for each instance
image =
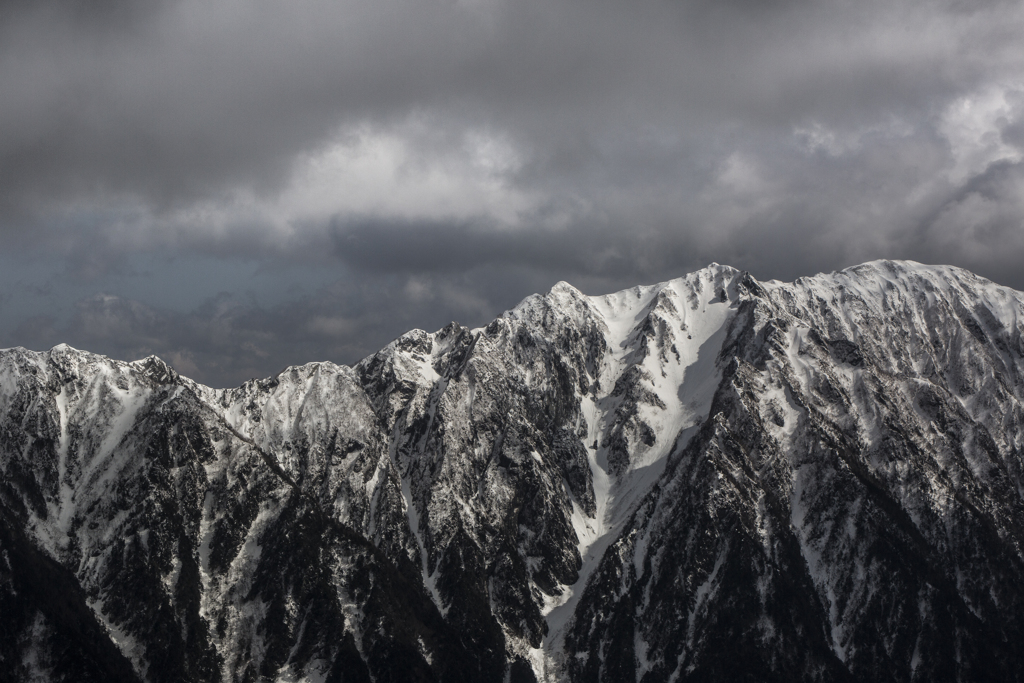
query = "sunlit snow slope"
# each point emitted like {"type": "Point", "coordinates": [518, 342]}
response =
{"type": "Point", "coordinates": [707, 479]}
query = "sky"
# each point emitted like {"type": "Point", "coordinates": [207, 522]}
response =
{"type": "Point", "coordinates": [238, 185]}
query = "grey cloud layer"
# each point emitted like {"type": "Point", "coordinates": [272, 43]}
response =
{"type": "Point", "coordinates": [605, 143]}
{"type": "Point", "coordinates": [228, 338]}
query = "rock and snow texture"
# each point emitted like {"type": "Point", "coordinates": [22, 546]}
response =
{"type": "Point", "coordinates": [711, 478]}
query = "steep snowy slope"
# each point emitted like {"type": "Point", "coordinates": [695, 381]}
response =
{"type": "Point", "coordinates": [853, 509]}
{"type": "Point", "coordinates": [706, 479]}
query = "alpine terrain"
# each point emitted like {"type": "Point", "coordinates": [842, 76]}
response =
{"type": "Point", "coordinates": [708, 479]}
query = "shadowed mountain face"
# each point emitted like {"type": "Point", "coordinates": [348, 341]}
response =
{"type": "Point", "coordinates": [708, 479]}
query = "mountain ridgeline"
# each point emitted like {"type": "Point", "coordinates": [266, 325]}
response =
{"type": "Point", "coordinates": [709, 479]}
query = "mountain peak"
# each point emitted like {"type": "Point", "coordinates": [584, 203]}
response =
{"type": "Point", "coordinates": [156, 369]}
{"type": "Point", "coordinates": [64, 349]}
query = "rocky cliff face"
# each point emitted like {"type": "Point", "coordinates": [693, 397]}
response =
{"type": "Point", "coordinates": [708, 479]}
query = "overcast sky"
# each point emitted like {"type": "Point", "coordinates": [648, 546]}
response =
{"type": "Point", "coordinates": [238, 186]}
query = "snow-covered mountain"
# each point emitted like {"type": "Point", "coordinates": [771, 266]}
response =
{"type": "Point", "coordinates": [708, 479]}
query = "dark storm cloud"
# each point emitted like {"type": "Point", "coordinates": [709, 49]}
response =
{"type": "Point", "coordinates": [982, 223]}
{"type": "Point", "coordinates": [406, 246]}
{"type": "Point", "coordinates": [451, 156]}
{"type": "Point", "coordinates": [188, 99]}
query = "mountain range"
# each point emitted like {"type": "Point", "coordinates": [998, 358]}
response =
{"type": "Point", "coordinates": [708, 479]}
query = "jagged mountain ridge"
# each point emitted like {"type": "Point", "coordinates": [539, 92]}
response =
{"type": "Point", "coordinates": [708, 478]}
